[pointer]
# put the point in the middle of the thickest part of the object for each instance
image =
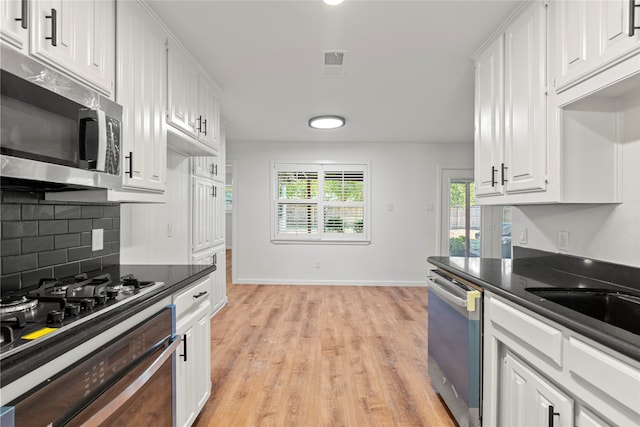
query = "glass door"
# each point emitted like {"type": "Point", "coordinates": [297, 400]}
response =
{"type": "Point", "coordinates": [464, 219]}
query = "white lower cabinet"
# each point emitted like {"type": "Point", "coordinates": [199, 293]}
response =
{"type": "Point", "coordinates": [528, 399]}
{"type": "Point", "coordinates": [193, 361]}
{"type": "Point", "coordinates": [536, 371]}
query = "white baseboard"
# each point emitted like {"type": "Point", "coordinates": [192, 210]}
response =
{"type": "Point", "coordinates": [239, 281]}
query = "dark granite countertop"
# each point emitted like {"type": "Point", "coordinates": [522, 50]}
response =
{"type": "Point", "coordinates": [174, 277]}
{"type": "Point", "coordinates": [509, 279]}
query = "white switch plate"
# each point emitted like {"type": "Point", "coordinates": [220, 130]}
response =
{"type": "Point", "coordinates": [97, 239]}
{"type": "Point", "coordinates": [524, 236]}
{"type": "Point", "coordinates": [563, 240]}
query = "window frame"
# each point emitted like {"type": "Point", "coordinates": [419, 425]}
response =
{"type": "Point", "coordinates": [321, 237]}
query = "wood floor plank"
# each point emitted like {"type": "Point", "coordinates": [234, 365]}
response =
{"type": "Point", "coordinates": [321, 356]}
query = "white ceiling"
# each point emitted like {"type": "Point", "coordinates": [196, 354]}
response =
{"type": "Point", "coordinates": [409, 76]}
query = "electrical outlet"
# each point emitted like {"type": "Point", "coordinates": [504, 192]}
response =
{"type": "Point", "coordinates": [97, 239]}
{"type": "Point", "coordinates": [563, 240]}
{"type": "Point", "coordinates": [318, 263]}
{"type": "Point", "coordinates": [170, 230]}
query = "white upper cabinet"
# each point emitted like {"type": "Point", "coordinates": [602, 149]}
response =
{"type": "Point", "coordinates": [141, 91]}
{"type": "Point", "coordinates": [193, 106]}
{"type": "Point", "coordinates": [183, 91]}
{"type": "Point", "coordinates": [77, 37]}
{"type": "Point", "coordinates": [510, 134]}
{"type": "Point", "coordinates": [14, 23]}
{"type": "Point", "coordinates": [525, 102]}
{"type": "Point", "coordinates": [591, 36]}
{"type": "Point", "coordinates": [488, 118]}
{"type": "Point", "coordinates": [209, 114]}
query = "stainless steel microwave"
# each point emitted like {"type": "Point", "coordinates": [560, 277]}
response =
{"type": "Point", "coordinates": [55, 133]}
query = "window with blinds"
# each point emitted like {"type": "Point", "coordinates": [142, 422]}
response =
{"type": "Point", "coordinates": [320, 202]}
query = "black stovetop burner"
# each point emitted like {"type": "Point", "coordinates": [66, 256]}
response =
{"type": "Point", "coordinates": [60, 304]}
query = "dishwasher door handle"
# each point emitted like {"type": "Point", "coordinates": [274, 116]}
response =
{"type": "Point", "coordinates": [446, 295]}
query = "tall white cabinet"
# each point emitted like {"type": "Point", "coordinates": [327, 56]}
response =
{"type": "Point", "coordinates": [208, 221]}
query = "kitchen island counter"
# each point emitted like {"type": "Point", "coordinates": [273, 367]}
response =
{"type": "Point", "coordinates": [536, 269]}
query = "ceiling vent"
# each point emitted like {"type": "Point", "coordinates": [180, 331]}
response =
{"type": "Point", "coordinates": [333, 63]}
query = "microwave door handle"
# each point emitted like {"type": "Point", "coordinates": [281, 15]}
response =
{"type": "Point", "coordinates": [101, 162]}
{"type": "Point", "coordinates": [82, 141]}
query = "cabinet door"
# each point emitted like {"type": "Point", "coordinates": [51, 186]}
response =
{"type": "Point", "coordinates": [97, 45]}
{"type": "Point", "coordinates": [183, 91]}
{"type": "Point", "coordinates": [571, 40]}
{"type": "Point", "coordinates": [525, 124]}
{"type": "Point", "coordinates": [527, 398]}
{"type": "Point", "coordinates": [209, 114]}
{"type": "Point", "coordinates": [204, 210]}
{"type": "Point", "coordinates": [220, 280]}
{"type": "Point", "coordinates": [613, 25]}
{"type": "Point", "coordinates": [141, 91]}
{"type": "Point", "coordinates": [54, 32]}
{"type": "Point", "coordinates": [186, 377]}
{"type": "Point", "coordinates": [219, 215]}
{"type": "Point", "coordinates": [14, 22]}
{"type": "Point", "coordinates": [205, 166]}
{"type": "Point", "coordinates": [488, 119]}
{"type": "Point", "coordinates": [202, 356]}
{"type": "Point", "coordinates": [77, 37]}
{"type": "Point", "coordinates": [193, 364]}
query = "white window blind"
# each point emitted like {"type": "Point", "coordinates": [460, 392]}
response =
{"type": "Point", "coordinates": [320, 202]}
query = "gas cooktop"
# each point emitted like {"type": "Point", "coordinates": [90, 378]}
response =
{"type": "Point", "coordinates": [58, 305]}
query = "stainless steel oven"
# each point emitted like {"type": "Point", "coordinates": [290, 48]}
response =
{"type": "Point", "coordinates": [455, 345]}
{"type": "Point", "coordinates": [129, 381]}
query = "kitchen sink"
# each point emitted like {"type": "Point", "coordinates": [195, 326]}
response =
{"type": "Point", "coordinates": [621, 309]}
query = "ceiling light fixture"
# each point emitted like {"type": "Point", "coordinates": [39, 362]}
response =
{"type": "Point", "coordinates": [332, 2]}
{"type": "Point", "coordinates": [326, 122]}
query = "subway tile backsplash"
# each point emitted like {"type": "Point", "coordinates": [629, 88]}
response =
{"type": "Point", "coordinates": [53, 239]}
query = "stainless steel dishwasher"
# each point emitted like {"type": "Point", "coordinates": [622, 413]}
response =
{"type": "Point", "coordinates": [455, 345]}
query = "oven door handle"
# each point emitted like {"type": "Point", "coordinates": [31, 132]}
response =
{"type": "Point", "coordinates": [110, 408]}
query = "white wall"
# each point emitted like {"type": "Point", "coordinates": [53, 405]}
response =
{"type": "Point", "coordinates": [606, 232]}
{"type": "Point", "coordinates": [144, 227]}
{"type": "Point", "coordinates": [404, 175]}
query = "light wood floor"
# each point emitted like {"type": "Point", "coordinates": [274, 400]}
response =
{"type": "Point", "coordinates": [321, 356]}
